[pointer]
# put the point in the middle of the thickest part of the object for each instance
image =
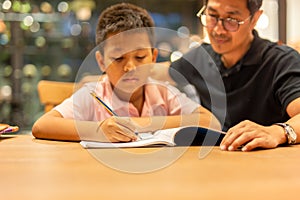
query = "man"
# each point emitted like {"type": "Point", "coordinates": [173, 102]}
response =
{"type": "Point", "coordinates": [248, 83]}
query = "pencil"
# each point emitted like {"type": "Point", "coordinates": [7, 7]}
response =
{"type": "Point", "coordinates": [10, 129]}
{"type": "Point", "coordinates": [104, 104]}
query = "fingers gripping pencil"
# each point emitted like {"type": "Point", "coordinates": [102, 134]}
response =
{"type": "Point", "coordinates": [107, 108]}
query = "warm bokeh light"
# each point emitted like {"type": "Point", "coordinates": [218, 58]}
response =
{"type": "Point", "coordinates": [40, 41]}
{"type": "Point", "coordinates": [5, 92]}
{"type": "Point", "coordinates": [64, 70]}
{"type": "Point", "coordinates": [28, 20]}
{"type": "Point", "coordinates": [63, 7]}
{"type": "Point", "coordinates": [35, 27]}
{"type": "Point", "coordinates": [46, 71]}
{"type": "Point", "coordinates": [83, 9]}
{"type": "Point", "coordinates": [164, 49]}
{"type": "Point", "coordinates": [175, 56]}
{"type": "Point", "coordinates": [46, 7]}
{"type": "Point", "coordinates": [6, 5]}
{"type": "Point", "coordinates": [2, 26]}
{"type": "Point", "coordinates": [75, 29]}
{"type": "Point", "coordinates": [8, 70]}
{"type": "Point", "coordinates": [84, 13]}
{"type": "Point", "coordinates": [29, 70]}
{"type": "Point", "coordinates": [27, 88]}
{"type": "Point", "coordinates": [263, 22]}
{"type": "Point", "coordinates": [195, 41]}
{"type": "Point", "coordinates": [183, 32]}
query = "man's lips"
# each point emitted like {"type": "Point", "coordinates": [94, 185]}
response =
{"type": "Point", "coordinates": [220, 40]}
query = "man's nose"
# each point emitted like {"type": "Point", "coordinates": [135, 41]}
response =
{"type": "Point", "coordinates": [219, 28]}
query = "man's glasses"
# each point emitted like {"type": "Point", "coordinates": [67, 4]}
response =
{"type": "Point", "coordinates": [210, 21]}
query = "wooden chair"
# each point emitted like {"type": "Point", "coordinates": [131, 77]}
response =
{"type": "Point", "coordinates": [52, 93]}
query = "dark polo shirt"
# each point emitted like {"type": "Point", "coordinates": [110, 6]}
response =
{"type": "Point", "coordinates": [258, 88]}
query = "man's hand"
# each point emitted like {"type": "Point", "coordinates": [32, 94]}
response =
{"type": "Point", "coordinates": [248, 135]}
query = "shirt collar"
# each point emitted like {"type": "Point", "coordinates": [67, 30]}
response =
{"type": "Point", "coordinates": [153, 97]}
{"type": "Point", "coordinates": [153, 100]}
{"type": "Point", "coordinates": [253, 56]}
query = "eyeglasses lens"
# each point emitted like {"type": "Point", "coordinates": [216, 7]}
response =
{"type": "Point", "coordinates": [210, 22]}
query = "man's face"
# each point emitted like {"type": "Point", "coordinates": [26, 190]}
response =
{"type": "Point", "coordinates": [223, 41]}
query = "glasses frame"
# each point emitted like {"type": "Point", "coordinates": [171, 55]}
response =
{"type": "Point", "coordinates": [200, 14]}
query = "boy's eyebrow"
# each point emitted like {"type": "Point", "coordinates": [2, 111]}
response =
{"type": "Point", "coordinates": [117, 49]}
{"type": "Point", "coordinates": [123, 51]}
{"type": "Point", "coordinates": [143, 48]}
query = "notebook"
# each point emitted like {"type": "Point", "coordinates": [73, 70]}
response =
{"type": "Point", "coordinates": [182, 136]}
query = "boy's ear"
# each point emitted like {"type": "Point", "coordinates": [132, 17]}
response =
{"type": "Point", "coordinates": [100, 60]}
{"type": "Point", "coordinates": [154, 55]}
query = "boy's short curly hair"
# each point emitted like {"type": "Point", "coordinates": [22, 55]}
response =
{"type": "Point", "coordinates": [122, 17]}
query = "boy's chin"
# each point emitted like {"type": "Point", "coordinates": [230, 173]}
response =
{"type": "Point", "coordinates": [125, 93]}
{"type": "Point", "coordinates": [129, 88]}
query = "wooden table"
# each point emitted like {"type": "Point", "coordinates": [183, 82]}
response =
{"type": "Point", "coordinates": [41, 169]}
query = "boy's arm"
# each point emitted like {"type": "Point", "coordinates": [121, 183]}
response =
{"type": "Point", "coordinates": [53, 126]}
{"type": "Point", "coordinates": [115, 129]}
{"type": "Point", "coordinates": [200, 117]}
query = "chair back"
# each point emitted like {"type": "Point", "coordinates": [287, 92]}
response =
{"type": "Point", "coordinates": [52, 93]}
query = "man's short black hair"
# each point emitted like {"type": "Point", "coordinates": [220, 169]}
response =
{"type": "Point", "coordinates": [252, 5]}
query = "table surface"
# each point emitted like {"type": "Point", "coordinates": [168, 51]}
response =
{"type": "Point", "coordinates": [43, 169]}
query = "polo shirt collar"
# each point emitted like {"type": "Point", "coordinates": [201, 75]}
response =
{"type": "Point", "coordinates": [153, 101]}
{"type": "Point", "coordinates": [254, 55]}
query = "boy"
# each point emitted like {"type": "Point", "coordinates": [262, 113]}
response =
{"type": "Point", "coordinates": [125, 40]}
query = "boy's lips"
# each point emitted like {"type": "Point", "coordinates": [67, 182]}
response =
{"type": "Point", "coordinates": [130, 79]}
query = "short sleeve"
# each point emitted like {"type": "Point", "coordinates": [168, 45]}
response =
{"type": "Point", "coordinates": [79, 106]}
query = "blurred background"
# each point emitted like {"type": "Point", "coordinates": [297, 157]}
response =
{"type": "Point", "coordinates": [50, 39]}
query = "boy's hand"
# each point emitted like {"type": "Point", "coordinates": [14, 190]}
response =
{"type": "Point", "coordinates": [118, 129]}
{"type": "Point", "coordinates": [3, 126]}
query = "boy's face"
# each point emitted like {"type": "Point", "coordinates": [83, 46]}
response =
{"type": "Point", "coordinates": [127, 60]}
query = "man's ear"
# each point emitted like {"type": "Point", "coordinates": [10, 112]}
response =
{"type": "Point", "coordinates": [256, 17]}
{"type": "Point", "coordinates": [100, 61]}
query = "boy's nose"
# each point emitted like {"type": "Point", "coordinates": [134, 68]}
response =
{"type": "Point", "coordinates": [129, 66]}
